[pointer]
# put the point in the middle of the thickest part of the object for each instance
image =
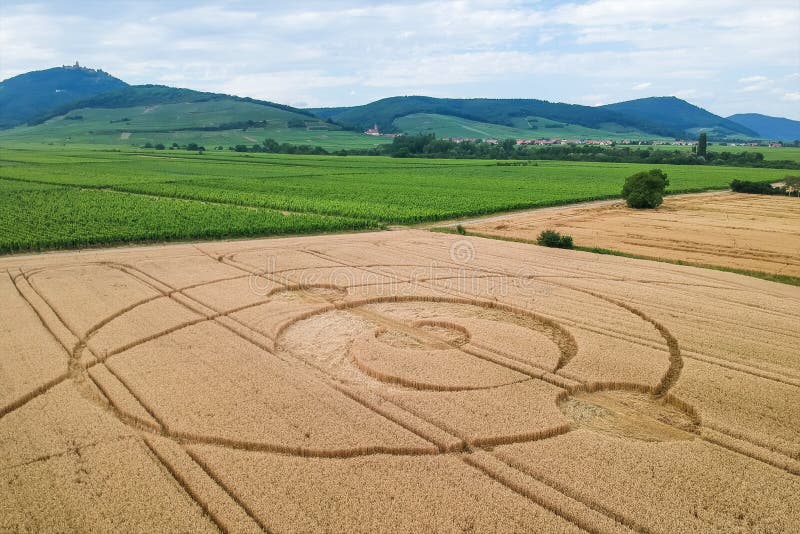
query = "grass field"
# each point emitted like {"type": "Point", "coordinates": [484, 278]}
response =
{"type": "Point", "coordinates": [525, 128]}
{"type": "Point", "coordinates": [402, 381]}
{"type": "Point", "coordinates": [770, 153]}
{"type": "Point", "coordinates": [85, 196]}
{"type": "Point", "coordinates": [182, 123]}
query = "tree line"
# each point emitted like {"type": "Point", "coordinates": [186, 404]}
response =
{"type": "Point", "coordinates": [429, 146]}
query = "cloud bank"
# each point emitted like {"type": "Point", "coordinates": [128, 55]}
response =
{"type": "Point", "coordinates": [730, 56]}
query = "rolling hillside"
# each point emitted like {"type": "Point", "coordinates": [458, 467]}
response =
{"type": "Point", "coordinates": [503, 112]}
{"type": "Point", "coordinates": [158, 114]}
{"type": "Point", "coordinates": [773, 128]}
{"type": "Point", "coordinates": [525, 128]}
{"type": "Point", "coordinates": [35, 93]}
{"type": "Point", "coordinates": [677, 114]}
{"type": "Point", "coordinates": [80, 105]}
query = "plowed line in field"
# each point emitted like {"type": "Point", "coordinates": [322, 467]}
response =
{"type": "Point", "coordinates": [129, 419]}
{"type": "Point", "coordinates": [734, 366]}
{"type": "Point", "coordinates": [235, 498]}
{"type": "Point", "coordinates": [47, 386]}
{"type": "Point", "coordinates": [767, 456]}
{"type": "Point", "coordinates": [754, 441]}
{"type": "Point", "coordinates": [701, 316]}
{"type": "Point", "coordinates": [574, 495]}
{"type": "Point", "coordinates": [586, 520]}
{"type": "Point", "coordinates": [182, 484]}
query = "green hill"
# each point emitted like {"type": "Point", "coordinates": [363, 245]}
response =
{"type": "Point", "coordinates": [773, 128]}
{"type": "Point", "coordinates": [503, 112]}
{"type": "Point", "coordinates": [525, 128]}
{"type": "Point", "coordinates": [137, 115]}
{"type": "Point", "coordinates": [35, 93]}
{"type": "Point", "coordinates": [677, 114]}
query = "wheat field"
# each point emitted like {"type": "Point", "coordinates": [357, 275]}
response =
{"type": "Point", "coordinates": [402, 381]}
{"type": "Point", "coordinates": [730, 230]}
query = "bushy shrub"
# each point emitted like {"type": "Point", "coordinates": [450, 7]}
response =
{"type": "Point", "coordinates": [645, 190]}
{"type": "Point", "coordinates": [754, 188]}
{"type": "Point", "coordinates": [461, 230]}
{"type": "Point", "coordinates": [551, 238]}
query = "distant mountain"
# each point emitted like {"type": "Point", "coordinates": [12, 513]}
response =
{"type": "Point", "coordinates": [676, 114]}
{"type": "Point", "coordinates": [157, 114]}
{"type": "Point", "coordinates": [503, 112]}
{"type": "Point", "coordinates": [772, 128]}
{"type": "Point", "coordinates": [71, 104]}
{"type": "Point", "coordinates": [34, 93]}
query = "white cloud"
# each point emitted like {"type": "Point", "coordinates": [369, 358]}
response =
{"type": "Point", "coordinates": [752, 79]}
{"type": "Point", "coordinates": [792, 97]}
{"type": "Point", "coordinates": [755, 84]}
{"type": "Point", "coordinates": [351, 51]}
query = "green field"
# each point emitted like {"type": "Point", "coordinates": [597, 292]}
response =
{"type": "Point", "coordinates": [75, 196]}
{"type": "Point", "coordinates": [182, 123]}
{"type": "Point", "coordinates": [770, 153]}
{"type": "Point", "coordinates": [525, 128]}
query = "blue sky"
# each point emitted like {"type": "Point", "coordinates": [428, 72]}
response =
{"type": "Point", "coordinates": [728, 56]}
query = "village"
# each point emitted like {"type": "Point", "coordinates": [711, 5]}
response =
{"type": "Point", "coordinates": [375, 131]}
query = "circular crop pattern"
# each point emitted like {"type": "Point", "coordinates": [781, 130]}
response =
{"type": "Point", "coordinates": [483, 371]}
{"type": "Point", "coordinates": [396, 347]}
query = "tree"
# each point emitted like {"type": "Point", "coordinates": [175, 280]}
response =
{"type": "Point", "coordinates": [271, 145]}
{"type": "Point", "coordinates": [645, 190]}
{"type": "Point", "coordinates": [702, 144]}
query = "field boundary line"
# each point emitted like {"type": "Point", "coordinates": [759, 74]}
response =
{"type": "Point", "coordinates": [69, 450]}
{"type": "Point", "coordinates": [586, 519]}
{"type": "Point", "coordinates": [735, 366]}
{"type": "Point", "coordinates": [24, 399]}
{"type": "Point", "coordinates": [218, 481]}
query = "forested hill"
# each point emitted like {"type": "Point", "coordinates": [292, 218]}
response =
{"type": "Point", "coordinates": [154, 95]}
{"type": "Point", "coordinates": [676, 114]}
{"type": "Point", "coordinates": [35, 93]}
{"type": "Point", "coordinates": [506, 112]}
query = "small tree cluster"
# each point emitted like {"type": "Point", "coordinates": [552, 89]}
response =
{"type": "Point", "coordinates": [551, 238]}
{"type": "Point", "coordinates": [791, 187]}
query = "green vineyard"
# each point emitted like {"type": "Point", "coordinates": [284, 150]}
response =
{"type": "Point", "coordinates": [72, 197]}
